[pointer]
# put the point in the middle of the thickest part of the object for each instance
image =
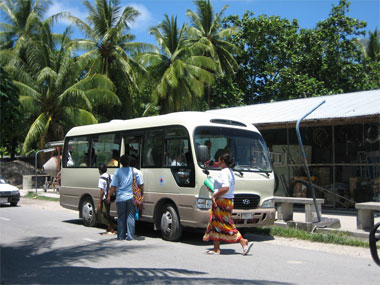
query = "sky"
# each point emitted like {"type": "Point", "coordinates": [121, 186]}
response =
{"type": "Point", "coordinates": [307, 12]}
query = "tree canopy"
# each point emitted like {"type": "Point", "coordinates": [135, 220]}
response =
{"type": "Point", "coordinates": [210, 62]}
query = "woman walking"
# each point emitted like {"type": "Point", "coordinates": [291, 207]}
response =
{"type": "Point", "coordinates": [221, 226]}
{"type": "Point", "coordinates": [126, 211]}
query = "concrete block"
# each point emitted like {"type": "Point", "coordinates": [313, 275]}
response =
{"type": "Point", "coordinates": [365, 220]}
{"type": "Point", "coordinates": [285, 211]}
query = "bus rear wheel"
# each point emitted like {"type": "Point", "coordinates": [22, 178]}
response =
{"type": "Point", "coordinates": [88, 212]}
{"type": "Point", "coordinates": [171, 228]}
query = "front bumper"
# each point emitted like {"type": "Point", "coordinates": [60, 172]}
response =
{"type": "Point", "coordinates": [9, 199]}
{"type": "Point", "coordinates": [254, 218]}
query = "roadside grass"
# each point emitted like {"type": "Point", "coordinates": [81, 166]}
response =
{"type": "Point", "coordinates": [334, 237]}
{"type": "Point", "coordinates": [32, 195]}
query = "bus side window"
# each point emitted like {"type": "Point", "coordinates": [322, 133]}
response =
{"type": "Point", "coordinates": [106, 150]}
{"type": "Point", "coordinates": [77, 153]}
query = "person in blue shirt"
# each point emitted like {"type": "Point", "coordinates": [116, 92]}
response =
{"type": "Point", "coordinates": [126, 211]}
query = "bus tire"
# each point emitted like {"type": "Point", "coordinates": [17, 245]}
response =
{"type": "Point", "coordinates": [170, 225]}
{"type": "Point", "coordinates": [88, 212]}
{"type": "Point", "coordinates": [373, 239]}
{"type": "Point", "coordinates": [276, 182]}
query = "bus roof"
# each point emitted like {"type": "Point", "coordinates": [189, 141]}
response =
{"type": "Point", "coordinates": [187, 119]}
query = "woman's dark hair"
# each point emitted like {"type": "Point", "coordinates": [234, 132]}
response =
{"type": "Point", "coordinates": [124, 160]}
{"type": "Point", "coordinates": [102, 168]}
{"type": "Point", "coordinates": [227, 159]}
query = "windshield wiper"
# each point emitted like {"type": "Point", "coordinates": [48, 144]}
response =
{"type": "Point", "coordinates": [259, 169]}
{"type": "Point", "coordinates": [238, 170]}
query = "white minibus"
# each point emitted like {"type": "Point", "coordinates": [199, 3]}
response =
{"type": "Point", "coordinates": [176, 153]}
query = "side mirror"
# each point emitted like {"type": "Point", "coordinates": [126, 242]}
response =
{"type": "Point", "coordinates": [203, 153]}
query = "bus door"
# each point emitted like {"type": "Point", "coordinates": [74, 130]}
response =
{"type": "Point", "coordinates": [178, 157]}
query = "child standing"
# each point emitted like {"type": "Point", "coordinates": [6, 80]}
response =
{"type": "Point", "coordinates": [103, 206]}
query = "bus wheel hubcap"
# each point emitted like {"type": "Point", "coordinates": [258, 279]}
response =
{"type": "Point", "coordinates": [87, 211]}
{"type": "Point", "coordinates": [166, 222]}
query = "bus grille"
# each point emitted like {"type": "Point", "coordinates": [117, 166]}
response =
{"type": "Point", "coordinates": [246, 201]}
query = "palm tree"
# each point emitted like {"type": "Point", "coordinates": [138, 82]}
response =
{"type": "Point", "coordinates": [180, 76]}
{"type": "Point", "coordinates": [23, 17]}
{"type": "Point", "coordinates": [206, 34]}
{"type": "Point", "coordinates": [23, 22]}
{"type": "Point", "coordinates": [56, 98]}
{"type": "Point", "coordinates": [107, 45]}
{"type": "Point", "coordinates": [371, 46]}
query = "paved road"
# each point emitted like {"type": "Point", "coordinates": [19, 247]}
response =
{"type": "Point", "coordinates": [42, 243]}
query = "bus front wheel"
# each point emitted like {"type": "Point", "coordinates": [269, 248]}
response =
{"type": "Point", "coordinates": [171, 228]}
{"type": "Point", "coordinates": [88, 212]}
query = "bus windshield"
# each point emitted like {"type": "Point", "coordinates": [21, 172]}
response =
{"type": "Point", "coordinates": [248, 148]}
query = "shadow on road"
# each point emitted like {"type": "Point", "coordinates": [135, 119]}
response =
{"type": "Point", "coordinates": [41, 264]}
{"type": "Point", "coordinates": [189, 236]}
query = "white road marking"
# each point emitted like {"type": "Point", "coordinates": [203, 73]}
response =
{"type": "Point", "coordinates": [90, 240]}
{"type": "Point", "coordinates": [294, 262]}
{"type": "Point", "coordinates": [5, 219]}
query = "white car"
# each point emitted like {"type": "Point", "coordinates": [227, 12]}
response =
{"type": "Point", "coordinates": [8, 193]}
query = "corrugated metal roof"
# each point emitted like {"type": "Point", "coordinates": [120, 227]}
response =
{"type": "Point", "coordinates": [341, 106]}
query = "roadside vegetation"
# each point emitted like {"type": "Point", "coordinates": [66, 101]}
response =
{"type": "Point", "coordinates": [332, 237]}
{"type": "Point", "coordinates": [33, 195]}
{"type": "Point", "coordinates": [211, 61]}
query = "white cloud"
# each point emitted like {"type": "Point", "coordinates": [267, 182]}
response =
{"type": "Point", "coordinates": [145, 20]}
{"type": "Point", "coordinates": [67, 6]}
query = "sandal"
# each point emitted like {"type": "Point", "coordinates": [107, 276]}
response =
{"type": "Point", "coordinates": [247, 248]}
{"type": "Point", "coordinates": [211, 252]}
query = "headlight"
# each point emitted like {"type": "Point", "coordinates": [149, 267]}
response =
{"type": "Point", "coordinates": [268, 203]}
{"type": "Point", "coordinates": [202, 203]}
{"type": "Point", "coordinates": [14, 192]}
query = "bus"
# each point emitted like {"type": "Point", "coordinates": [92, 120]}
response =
{"type": "Point", "coordinates": [176, 153]}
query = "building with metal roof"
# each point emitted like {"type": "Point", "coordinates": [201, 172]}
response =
{"type": "Point", "coordinates": [337, 109]}
{"type": "Point", "coordinates": [341, 138]}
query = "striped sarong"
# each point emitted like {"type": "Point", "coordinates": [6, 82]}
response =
{"type": "Point", "coordinates": [221, 226]}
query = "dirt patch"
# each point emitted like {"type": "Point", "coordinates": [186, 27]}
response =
{"type": "Point", "coordinates": [14, 170]}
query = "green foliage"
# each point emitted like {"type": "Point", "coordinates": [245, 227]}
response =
{"type": "Point", "coordinates": [179, 75]}
{"type": "Point", "coordinates": [233, 62]}
{"type": "Point", "coordinates": [11, 120]}
{"type": "Point", "coordinates": [372, 48]}
{"type": "Point", "coordinates": [225, 93]}
{"type": "Point", "coordinates": [280, 61]}
{"type": "Point", "coordinates": [53, 96]}
{"type": "Point", "coordinates": [268, 46]}
{"type": "Point", "coordinates": [108, 52]}
{"type": "Point", "coordinates": [207, 37]}
{"type": "Point", "coordinates": [23, 18]}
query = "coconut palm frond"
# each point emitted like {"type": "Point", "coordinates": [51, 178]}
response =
{"type": "Point", "coordinates": [136, 48]}
{"type": "Point", "coordinates": [29, 105]}
{"type": "Point", "coordinates": [36, 131]}
{"type": "Point", "coordinates": [26, 90]}
{"type": "Point", "coordinates": [79, 117]}
{"type": "Point", "coordinates": [86, 29]}
{"type": "Point", "coordinates": [100, 96]}
{"type": "Point", "coordinates": [46, 74]}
